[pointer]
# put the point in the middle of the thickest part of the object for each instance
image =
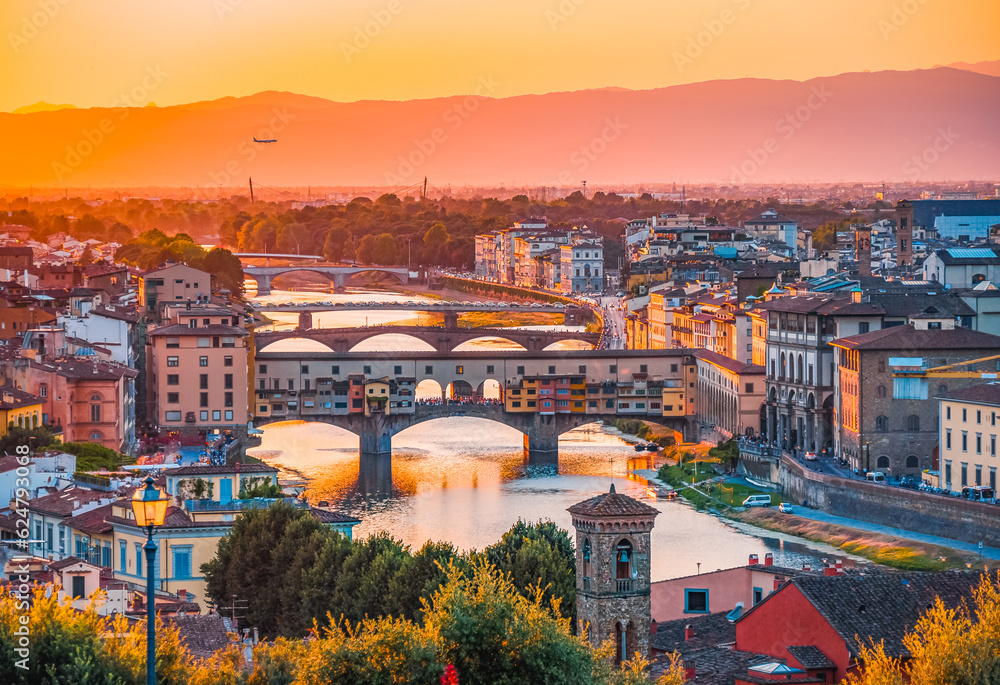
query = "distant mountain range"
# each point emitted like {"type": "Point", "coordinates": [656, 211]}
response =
{"type": "Point", "coordinates": [933, 124]}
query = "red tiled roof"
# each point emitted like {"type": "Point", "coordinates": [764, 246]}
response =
{"type": "Point", "coordinates": [987, 393]}
{"type": "Point", "coordinates": [908, 338]}
{"type": "Point", "coordinates": [612, 504]}
{"type": "Point", "coordinates": [61, 502]}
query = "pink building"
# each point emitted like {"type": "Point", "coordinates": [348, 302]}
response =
{"type": "Point", "coordinates": [718, 591]}
{"type": "Point", "coordinates": [197, 376]}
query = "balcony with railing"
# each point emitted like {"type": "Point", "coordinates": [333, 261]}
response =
{"type": "Point", "coordinates": [624, 585]}
{"type": "Point", "coordinates": [205, 505]}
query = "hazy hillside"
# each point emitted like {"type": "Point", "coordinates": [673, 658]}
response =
{"type": "Point", "coordinates": [852, 126]}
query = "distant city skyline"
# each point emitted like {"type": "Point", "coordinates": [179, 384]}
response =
{"type": "Point", "coordinates": [90, 55]}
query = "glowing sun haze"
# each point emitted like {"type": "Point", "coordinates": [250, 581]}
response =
{"type": "Point", "coordinates": [88, 53]}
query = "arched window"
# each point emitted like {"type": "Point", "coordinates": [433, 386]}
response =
{"type": "Point", "coordinates": [881, 391]}
{"type": "Point", "coordinates": [978, 278]}
{"type": "Point", "coordinates": [913, 423]}
{"type": "Point", "coordinates": [942, 389]}
{"type": "Point", "coordinates": [912, 462]}
{"type": "Point", "coordinates": [783, 366]}
{"type": "Point", "coordinates": [883, 462]}
{"type": "Point", "coordinates": [799, 376]}
{"type": "Point", "coordinates": [95, 397]}
{"type": "Point", "coordinates": [881, 424]}
{"type": "Point", "coordinates": [623, 560]}
{"type": "Point", "coordinates": [586, 558]}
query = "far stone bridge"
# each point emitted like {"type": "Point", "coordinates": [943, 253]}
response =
{"type": "Point", "coordinates": [442, 339]}
{"type": "Point", "coordinates": [338, 275]}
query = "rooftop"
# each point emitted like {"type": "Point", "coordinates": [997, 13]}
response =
{"type": "Point", "coordinates": [908, 338]}
{"type": "Point", "coordinates": [221, 469]}
{"type": "Point", "coordinates": [612, 503]}
{"type": "Point", "coordinates": [986, 393]}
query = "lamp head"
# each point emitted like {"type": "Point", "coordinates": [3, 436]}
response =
{"type": "Point", "coordinates": [149, 505]}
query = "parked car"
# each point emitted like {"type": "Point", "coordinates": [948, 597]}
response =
{"type": "Point", "coordinates": [757, 501]}
{"type": "Point", "coordinates": [875, 477]}
{"type": "Point", "coordinates": [811, 456]}
{"type": "Point", "coordinates": [785, 508]}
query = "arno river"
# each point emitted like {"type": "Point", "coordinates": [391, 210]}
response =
{"type": "Point", "coordinates": [465, 480]}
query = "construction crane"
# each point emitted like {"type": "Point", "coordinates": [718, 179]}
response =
{"type": "Point", "coordinates": [945, 371]}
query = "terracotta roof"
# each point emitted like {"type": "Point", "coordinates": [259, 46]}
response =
{"type": "Point", "coordinates": [802, 304]}
{"type": "Point", "coordinates": [221, 469]}
{"type": "Point", "coordinates": [326, 516]}
{"type": "Point", "coordinates": [180, 329]}
{"type": "Point", "coordinates": [882, 606]}
{"type": "Point", "coordinates": [93, 521]}
{"type": "Point", "coordinates": [729, 364]}
{"type": "Point", "coordinates": [203, 635]}
{"type": "Point", "coordinates": [61, 502]}
{"type": "Point", "coordinates": [987, 393]}
{"type": "Point", "coordinates": [116, 312]}
{"type": "Point", "coordinates": [612, 504]}
{"type": "Point", "coordinates": [908, 338]}
{"type": "Point", "coordinates": [69, 561]}
{"type": "Point", "coordinates": [18, 398]}
{"type": "Point", "coordinates": [810, 656]}
{"type": "Point", "coordinates": [87, 368]}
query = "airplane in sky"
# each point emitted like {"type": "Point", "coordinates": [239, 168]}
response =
{"type": "Point", "coordinates": [271, 140]}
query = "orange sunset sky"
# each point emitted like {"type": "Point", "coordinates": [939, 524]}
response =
{"type": "Point", "coordinates": [88, 52]}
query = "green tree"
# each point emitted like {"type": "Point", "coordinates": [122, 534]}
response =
{"type": "Point", "coordinates": [32, 437]}
{"type": "Point", "coordinates": [434, 240]}
{"type": "Point", "coordinates": [226, 268]}
{"type": "Point", "coordinates": [366, 250]}
{"type": "Point", "coordinates": [91, 456]}
{"type": "Point", "coordinates": [263, 560]}
{"type": "Point", "coordinates": [385, 251]}
{"type": "Point", "coordinates": [538, 555]}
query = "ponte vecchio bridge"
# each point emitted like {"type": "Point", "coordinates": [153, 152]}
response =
{"type": "Point", "coordinates": [545, 393]}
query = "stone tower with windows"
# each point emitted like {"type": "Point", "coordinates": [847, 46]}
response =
{"type": "Point", "coordinates": [612, 571]}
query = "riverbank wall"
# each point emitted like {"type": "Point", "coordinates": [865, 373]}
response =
{"type": "Point", "coordinates": [886, 505]}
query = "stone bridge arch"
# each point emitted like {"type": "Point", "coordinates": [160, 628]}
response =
{"type": "Point", "coordinates": [440, 338]}
{"type": "Point", "coordinates": [337, 275]}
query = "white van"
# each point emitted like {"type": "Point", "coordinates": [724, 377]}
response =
{"type": "Point", "coordinates": [875, 477]}
{"type": "Point", "coordinates": [757, 501]}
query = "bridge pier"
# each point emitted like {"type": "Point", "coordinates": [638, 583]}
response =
{"type": "Point", "coordinates": [541, 439]}
{"type": "Point", "coordinates": [263, 285]}
{"type": "Point", "coordinates": [451, 319]}
{"type": "Point", "coordinates": [338, 283]}
{"type": "Point", "coordinates": [305, 320]}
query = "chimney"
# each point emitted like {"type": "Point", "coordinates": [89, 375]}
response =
{"type": "Point", "coordinates": [182, 594]}
{"type": "Point", "coordinates": [753, 560]}
{"type": "Point", "coordinates": [652, 627]}
{"type": "Point", "coordinates": [829, 569]}
{"type": "Point", "coordinates": [688, 632]}
{"type": "Point", "coordinates": [839, 566]}
{"type": "Point", "coordinates": [768, 559]}
{"type": "Point", "coordinates": [806, 567]}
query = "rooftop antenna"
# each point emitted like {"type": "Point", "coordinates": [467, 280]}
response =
{"type": "Point", "coordinates": [251, 190]}
{"type": "Point", "coordinates": [423, 195]}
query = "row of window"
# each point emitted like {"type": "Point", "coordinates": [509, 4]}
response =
{"type": "Point", "coordinates": [175, 379]}
{"type": "Point", "coordinates": [202, 361]}
{"type": "Point", "coordinates": [174, 398]}
{"type": "Point", "coordinates": [965, 442]}
{"type": "Point", "coordinates": [213, 341]}
{"type": "Point", "coordinates": [429, 368]}
{"type": "Point", "coordinates": [964, 473]}
{"type": "Point", "coordinates": [965, 415]}
{"type": "Point", "coordinates": [217, 415]}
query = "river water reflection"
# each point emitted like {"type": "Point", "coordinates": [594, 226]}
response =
{"type": "Point", "coordinates": [466, 481]}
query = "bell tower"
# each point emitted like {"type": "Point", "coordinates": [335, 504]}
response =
{"type": "Point", "coordinates": [612, 571]}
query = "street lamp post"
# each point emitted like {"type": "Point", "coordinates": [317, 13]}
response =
{"type": "Point", "coordinates": [150, 507]}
